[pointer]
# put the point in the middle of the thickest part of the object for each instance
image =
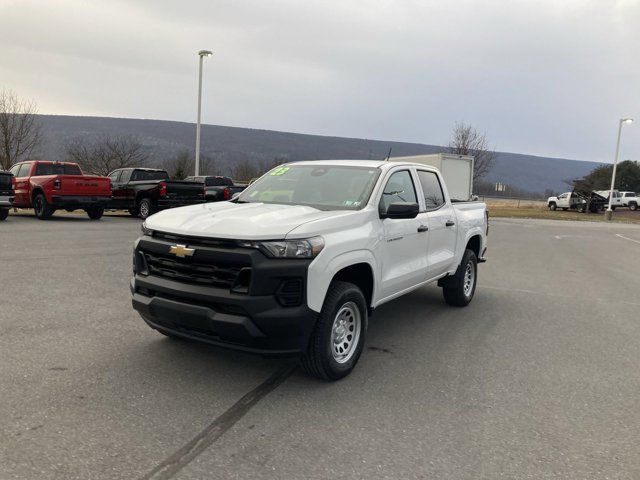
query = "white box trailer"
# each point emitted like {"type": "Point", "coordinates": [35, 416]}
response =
{"type": "Point", "coordinates": [457, 171]}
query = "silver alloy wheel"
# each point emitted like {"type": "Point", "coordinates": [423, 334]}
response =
{"type": "Point", "coordinates": [345, 332]}
{"type": "Point", "coordinates": [469, 277]}
{"type": "Point", "coordinates": [144, 209]}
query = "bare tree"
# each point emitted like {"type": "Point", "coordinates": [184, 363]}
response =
{"type": "Point", "coordinates": [245, 171]}
{"type": "Point", "coordinates": [20, 132]}
{"type": "Point", "coordinates": [469, 141]}
{"type": "Point", "coordinates": [107, 154]}
{"type": "Point", "coordinates": [183, 165]}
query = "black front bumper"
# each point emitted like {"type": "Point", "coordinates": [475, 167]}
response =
{"type": "Point", "coordinates": [78, 201]}
{"type": "Point", "coordinates": [6, 200]}
{"type": "Point", "coordinates": [257, 321]}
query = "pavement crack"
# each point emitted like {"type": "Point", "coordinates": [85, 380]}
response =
{"type": "Point", "coordinates": [177, 461]}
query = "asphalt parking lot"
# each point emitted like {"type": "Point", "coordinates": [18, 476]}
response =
{"type": "Point", "coordinates": [537, 378]}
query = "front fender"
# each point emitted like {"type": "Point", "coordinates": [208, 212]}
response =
{"type": "Point", "coordinates": [321, 274]}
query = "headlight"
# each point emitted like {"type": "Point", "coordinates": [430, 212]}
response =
{"type": "Point", "coordinates": [302, 248]}
{"type": "Point", "coordinates": [145, 230]}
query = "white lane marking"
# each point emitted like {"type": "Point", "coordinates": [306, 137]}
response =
{"type": "Point", "coordinates": [627, 238]}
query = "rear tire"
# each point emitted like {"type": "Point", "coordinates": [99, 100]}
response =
{"type": "Point", "coordinates": [145, 208]}
{"type": "Point", "coordinates": [339, 334]}
{"type": "Point", "coordinates": [95, 213]}
{"type": "Point", "coordinates": [633, 207]}
{"type": "Point", "coordinates": [459, 290]}
{"type": "Point", "coordinates": [134, 212]}
{"type": "Point", "coordinates": [4, 213]}
{"type": "Point", "coordinates": [552, 206]}
{"type": "Point", "coordinates": [42, 209]}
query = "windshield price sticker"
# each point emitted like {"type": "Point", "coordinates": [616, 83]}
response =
{"type": "Point", "coordinates": [279, 171]}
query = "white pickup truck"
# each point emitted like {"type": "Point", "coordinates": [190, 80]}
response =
{"type": "Point", "coordinates": [630, 199]}
{"type": "Point", "coordinates": [298, 261]}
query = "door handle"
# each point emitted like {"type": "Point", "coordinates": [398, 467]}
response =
{"type": "Point", "coordinates": [422, 228]}
{"type": "Point", "coordinates": [450, 223]}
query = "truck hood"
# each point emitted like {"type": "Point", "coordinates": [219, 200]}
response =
{"type": "Point", "coordinates": [246, 221]}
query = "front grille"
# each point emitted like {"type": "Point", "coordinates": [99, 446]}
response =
{"type": "Point", "coordinates": [192, 271]}
{"type": "Point", "coordinates": [5, 182]}
{"type": "Point", "coordinates": [195, 241]}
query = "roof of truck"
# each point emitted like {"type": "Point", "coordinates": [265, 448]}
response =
{"type": "Point", "coordinates": [359, 163]}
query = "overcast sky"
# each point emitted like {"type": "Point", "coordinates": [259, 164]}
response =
{"type": "Point", "coordinates": [546, 77]}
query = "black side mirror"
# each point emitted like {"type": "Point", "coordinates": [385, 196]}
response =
{"type": "Point", "coordinates": [401, 210]}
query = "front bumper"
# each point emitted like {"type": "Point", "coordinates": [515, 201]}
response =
{"type": "Point", "coordinates": [6, 201]}
{"type": "Point", "coordinates": [257, 320]}
{"type": "Point", "coordinates": [79, 201]}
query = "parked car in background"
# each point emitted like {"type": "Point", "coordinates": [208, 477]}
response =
{"type": "Point", "coordinates": [566, 201]}
{"type": "Point", "coordinates": [6, 193]}
{"type": "Point", "coordinates": [144, 191]}
{"type": "Point", "coordinates": [631, 200]}
{"type": "Point", "coordinates": [218, 188]}
{"type": "Point", "coordinates": [48, 186]}
{"type": "Point", "coordinates": [299, 260]}
{"type": "Point", "coordinates": [616, 199]}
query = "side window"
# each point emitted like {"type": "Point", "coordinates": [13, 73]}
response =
{"type": "Point", "coordinates": [433, 194]}
{"type": "Point", "coordinates": [126, 176]}
{"type": "Point", "coordinates": [24, 170]}
{"type": "Point", "coordinates": [115, 176]}
{"type": "Point", "coordinates": [14, 170]}
{"type": "Point", "coordinates": [399, 188]}
{"type": "Point", "coordinates": [564, 195]}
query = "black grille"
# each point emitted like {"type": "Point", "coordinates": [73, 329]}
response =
{"type": "Point", "coordinates": [5, 181]}
{"type": "Point", "coordinates": [192, 271]}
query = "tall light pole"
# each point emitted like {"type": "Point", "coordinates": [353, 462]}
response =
{"type": "Point", "coordinates": [201, 54]}
{"type": "Point", "coordinates": [609, 212]}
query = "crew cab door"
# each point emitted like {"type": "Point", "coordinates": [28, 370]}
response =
{"type": "Point", "coordinates": [21, 173]}
{"type": "Point", "coordinates": [403, 251]}
{"type": "Point", "coordinates": [118, 193]}
{"type": "Point", "coordinates": [443, 229]}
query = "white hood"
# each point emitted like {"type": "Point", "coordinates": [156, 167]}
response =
{"type": "Point", "coordinates": [246, 221]}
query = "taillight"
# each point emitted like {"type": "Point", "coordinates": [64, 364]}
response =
{"type": "Point", "coordinates": [226, 194]}
{"type": "Point", "coordinates": [163, 189]}
{"type": "Point", "coordinates": [57, 183]}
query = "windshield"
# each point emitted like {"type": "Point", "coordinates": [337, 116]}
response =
{"type": "Point", "coordinates": [325, 187]}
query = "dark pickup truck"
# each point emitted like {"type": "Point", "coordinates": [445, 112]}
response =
{"type": "Point", "coordinates": [144, 191]}
{"type": "Point", "coordinates": [6, 193]}
{"type": "Point", "coordinates": [218, 188]}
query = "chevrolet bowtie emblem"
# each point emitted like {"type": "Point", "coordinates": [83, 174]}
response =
{"type": "Point", "coordinates": [182, 251]}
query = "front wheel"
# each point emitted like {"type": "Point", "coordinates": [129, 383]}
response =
{"type": "Point", "coordinates": [95, 213]}
{"type": "Point", "coordinates": [338, 337]}
{"type": "Point", "coordinates": [459, 289]}
{"type": "Point", "coordinates": [552, 206]}
{"type": "Point", "coordinates": [42, 208]}
{"type": "Point", "coordinates": [4, 213]}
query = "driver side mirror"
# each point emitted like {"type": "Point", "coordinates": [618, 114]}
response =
{"type": "Point", "coordinates": [399, 210]}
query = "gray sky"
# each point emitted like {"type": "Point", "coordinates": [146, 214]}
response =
{"type": "Point", "coordinates": [547, 77]}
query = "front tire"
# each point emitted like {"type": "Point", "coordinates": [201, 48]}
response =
{"type": "Point", "coordinates": [4, 213]}
{"type": "Point", "coordinates": [338, 337]}
{"type": "Point", "coordinates": [552, 206]}
{"type": "Point", "coordinates": [134, 212]}
{"type": "Point", "coordinates": [42, 209]}
{"type": "Point", "coordinates": [459, 290]}
{"type": "Point", "coordinates": [95, 213]}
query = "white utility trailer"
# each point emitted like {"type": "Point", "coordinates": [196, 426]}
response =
{"type": "Point", "coordinates": [457, 171]}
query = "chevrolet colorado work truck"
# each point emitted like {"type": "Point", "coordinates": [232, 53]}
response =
{"type": "Point", "coordinates": [48, 186]}
{"type": "Point", "coordinates": [144, 191]}
{"type": "Point", "coordinates": [297, 263]}
{"type": "Point", "coordinates": [6, 194]}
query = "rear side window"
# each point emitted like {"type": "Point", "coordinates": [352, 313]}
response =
{"type": "Point", "coordinates": [56, 169]}
{"type": "Point", "coordinates": [432, 190]}
{"type": "Point", "coordinates": [115, 176]}
{"type": "Point", "coordinates": [14, 170]}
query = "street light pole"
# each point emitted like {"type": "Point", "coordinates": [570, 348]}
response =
{"type": "Point", "coordinates": [609, 212]}
{"type": "Point", "coordinates": [201, 54]}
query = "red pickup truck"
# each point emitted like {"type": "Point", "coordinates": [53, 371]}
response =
{"type": "Point", "coordinates": [48, 186]}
